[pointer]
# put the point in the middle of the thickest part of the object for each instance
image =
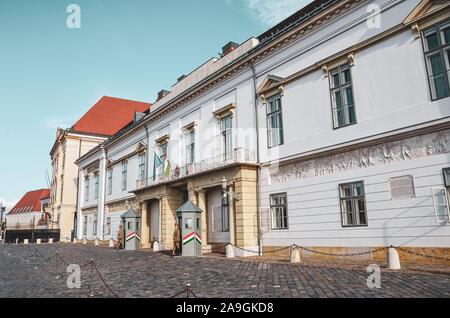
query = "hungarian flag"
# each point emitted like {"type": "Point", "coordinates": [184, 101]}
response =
{"type": "Point", "coordinates": [156, 163]}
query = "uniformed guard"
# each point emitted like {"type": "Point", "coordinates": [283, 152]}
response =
{"type": "Point", "coordinates": [176, 240]}
{"type": "Point", "coordinates": [119, 238]}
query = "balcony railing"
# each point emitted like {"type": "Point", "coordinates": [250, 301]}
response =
{"type": "Point", "coordinates": [239, 155]}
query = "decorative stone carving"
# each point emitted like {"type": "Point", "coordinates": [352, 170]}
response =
{"type": "Point", "coordinates": [123, 205]}
{"type": "Point", "coordinates": [386, 153]}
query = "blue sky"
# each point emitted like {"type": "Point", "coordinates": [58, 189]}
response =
{"type": "Point", "coordinates": [51, 75]}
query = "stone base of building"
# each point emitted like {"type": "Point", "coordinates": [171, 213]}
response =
{"type": "Point", "coordinates": [406, 254]}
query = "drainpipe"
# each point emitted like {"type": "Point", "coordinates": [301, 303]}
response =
{"type": "Point", "coordinates": [103, 200]}
{"type": "Point", "coordinates": [148, 156]}
{"type": "Point", "coordinates": [252, 67]}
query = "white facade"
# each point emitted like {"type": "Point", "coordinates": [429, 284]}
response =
{"type": "Point", "coordinates": [399, 130]}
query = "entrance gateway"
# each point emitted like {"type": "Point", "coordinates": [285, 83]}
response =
{"type": "Point", "coordinates": [190, 221]}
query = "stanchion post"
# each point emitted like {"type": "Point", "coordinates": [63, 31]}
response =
{"type": "Point", "coordinates": [393, 260]}
{"type": "Point", "coordinates": [230, 251]}
{"type": "Point", "coordinates": [91, 293]}
{"type": "Point", "coordinates": [295, 254]}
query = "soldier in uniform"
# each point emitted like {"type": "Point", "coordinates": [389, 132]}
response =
{"type": "Point", "coordinates": [119, 238]}
{"type": "Point", "coordinates": [176, 240]}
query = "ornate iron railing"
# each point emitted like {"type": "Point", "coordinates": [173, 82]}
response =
{"type": "Point", "coordinates": [239, 155]}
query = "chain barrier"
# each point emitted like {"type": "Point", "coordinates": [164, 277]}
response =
{"type": "Point", "coordinates": [57, 256]}
{"type": "Point", "coordinates": [423, 255]}
{"type": "Point", "coordinates": [341, 254]}
{"type": "Point", "coordinates": [104, 282]}
{"type": "Point", "coordinates": [187, 290]}
{"type": "Point", "coordinates": [215, 249]}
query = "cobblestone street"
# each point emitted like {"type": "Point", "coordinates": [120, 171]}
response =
{"type": "Point", "coordinates": [25, 272]}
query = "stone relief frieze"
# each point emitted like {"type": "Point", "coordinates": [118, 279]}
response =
{"type": "Point", "coordinates": [122, 206]}
{"type": "Point", "coordinates": [383, 154]}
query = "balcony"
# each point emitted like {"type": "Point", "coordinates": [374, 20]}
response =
{"type": "Point", "coordinates": [240, 155]}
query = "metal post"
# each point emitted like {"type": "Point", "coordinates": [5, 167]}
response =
{"type": "Point", "coordinates": [91, 293]}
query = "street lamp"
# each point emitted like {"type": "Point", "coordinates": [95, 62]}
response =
{"type": "Point", "coordinates": [226, 192]}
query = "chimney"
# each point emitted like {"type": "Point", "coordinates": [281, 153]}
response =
{"type": "Point", "coordinates": [229, 47]}
{"type": "Point", "coordinates": [162, 93]}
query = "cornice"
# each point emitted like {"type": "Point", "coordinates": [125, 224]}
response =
{"type": "Point", "coordinates": [259, 53]}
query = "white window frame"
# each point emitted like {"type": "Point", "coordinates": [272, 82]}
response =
{"type": "Point", "coordinates": [446, 195]}
{"type": "Point", "coordinates": [142, 159]}
{"type": "Point", "coordinates": [341, 88]}
{"type": "Point", "coordinates": [96, 185]}
{"type": "Point", "coordinates": [190, 146]}
{"type": "Point", "coordinates": [124, 175]}
{"type": "Point", "coordinates": [226, 135]}
{"type": "Point", "coordinates": [275, 136]}
{"type": "Point", "coordinates": [108, 226]}
{"type": "Point", "coordinates": [94, 224]}
{"type": "Point", "coordinates": [284, 219]}
{"type": "Point", "coordinates": [86, 189]}
{"type": "Point", "coordinates": [110, 176]}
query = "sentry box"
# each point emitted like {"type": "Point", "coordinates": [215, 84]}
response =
{"type": "Point", "coordinates": [190, 222]}
{"type": "Point", "coordinates": [131, 224]}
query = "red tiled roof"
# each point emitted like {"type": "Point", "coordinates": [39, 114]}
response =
{"type": "Point", "coordinates": [109, 115]}
{"type": "Point", "coordinates": [30, 201]}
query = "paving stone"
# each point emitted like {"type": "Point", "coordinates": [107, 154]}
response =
{"type": "Point", "coordinates": [34, 271]}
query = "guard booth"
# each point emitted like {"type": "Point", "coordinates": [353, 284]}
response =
{"type": "Point", "coordinates": [190, 222]}
{"type": "Point", "coordinates": [131, 224]}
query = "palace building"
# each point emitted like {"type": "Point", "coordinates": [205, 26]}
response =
{"type": "Point", "coordinates": [331, 130]}
{"type": "Point", "coordinates": [102, 121]}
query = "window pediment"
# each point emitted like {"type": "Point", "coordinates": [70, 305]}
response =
{"type": "Point", "coordinates": [271, 85]}
{"type": "Point", "coordinates": [189, 127]}
{"type": "Point", "coordinates": [163, 140]}
{"type": "Point", "coordinates": [426, 13]}
{"type": "Point", "coordinates": [225, 111]}
{"type": "Point", "coordinates": [141, 148]}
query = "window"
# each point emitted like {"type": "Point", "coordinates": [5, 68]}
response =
{"type": "Point", "coordinates": [62, 189]}
{"type": "Point", "coordinates": [96, 186]}
{"type": "Point", "coordinates": [86, 189]}
{"type": "Point", "coordinates": [342, 96]}
{"type": "Point", "coordinates": [225, 213]}
{"type": "Point", "coordinates": [446, 172]}
{"type": "Point", "coordinates": [274, 121]}
{"type": "Point", "coordinates": [108, 226]}
{"type": "Point", "coordinates": [85, 225]}
{"type": "Point", "coordinates": [142, 160]}
{"type": "Point", "coordinates": [124, 175]}
{"type": "Point", "coordinates": [225, 131]}
{"type": "Point", "coordinates": [163, 156]}
{"type": "Point", "coordinates": [94, 225]}
{"type": "Point", "coordinates": [441, 199]}
{"type": "Point", "coordinates": [440, 203]}
{"type": "Point", "coordinates": [353, 204]}
{"type": "Point", "coordinates": [436, 45]}
{"type": "Point", "coordinates": [190, 147]}
{"type": "Point", "coordinates": [278, 209]}
{"type": "Point", "coordinates": [110, 175]}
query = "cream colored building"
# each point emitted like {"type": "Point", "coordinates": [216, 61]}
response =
{"type": "Point", "coordinates": [103, 120]}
